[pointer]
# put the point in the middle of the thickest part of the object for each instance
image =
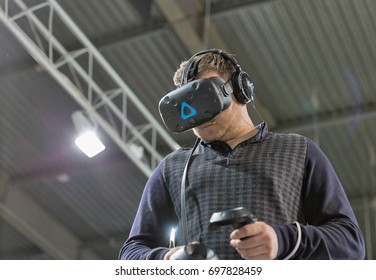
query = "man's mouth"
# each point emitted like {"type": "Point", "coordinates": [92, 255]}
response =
{"type": "Point", "coordinates": [208, 124]}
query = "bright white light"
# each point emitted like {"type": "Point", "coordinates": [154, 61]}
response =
{"type": "Point", "coordinates": [89, 143]}
{"type": "Point", "coordinates": [172, 238]}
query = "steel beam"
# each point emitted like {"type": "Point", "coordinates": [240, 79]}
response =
{"type": "Point", "coordinates": [85, 100]}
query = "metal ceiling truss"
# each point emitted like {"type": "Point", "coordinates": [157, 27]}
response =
{"type": "Point", "coordinates": [108, 108]}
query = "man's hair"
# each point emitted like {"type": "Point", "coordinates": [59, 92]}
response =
{"type": "Point", "coordinates": [206, 62]}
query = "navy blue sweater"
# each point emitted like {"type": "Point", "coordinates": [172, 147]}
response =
{"type": "Point", "coordinates": [329, 227]}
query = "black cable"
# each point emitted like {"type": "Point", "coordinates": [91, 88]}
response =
{"type": "Point", "coordinates": [183, 210]}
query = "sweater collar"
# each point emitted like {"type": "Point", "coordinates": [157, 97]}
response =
{"type": "Point", "coordinates": [223, 147]}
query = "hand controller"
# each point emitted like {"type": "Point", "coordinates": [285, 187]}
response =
{"type": "Point", "coordinates": [194, 251]}
{"type": "Point", "coordinates": [237, 217]}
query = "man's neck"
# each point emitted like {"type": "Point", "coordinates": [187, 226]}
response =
{"type": "Point", "coordinates": [242, 136]}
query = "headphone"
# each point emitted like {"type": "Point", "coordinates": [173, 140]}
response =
{"type": "Point", "coordinates": [243, 88]}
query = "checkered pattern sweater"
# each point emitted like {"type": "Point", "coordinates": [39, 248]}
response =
{"type": "Point", "coordinates": [263, 176]}
{"type": "Point", "coordinates": [280, 177]}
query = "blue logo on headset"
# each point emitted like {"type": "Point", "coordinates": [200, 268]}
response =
{"type": "Point", "coordinates": [190, 110]}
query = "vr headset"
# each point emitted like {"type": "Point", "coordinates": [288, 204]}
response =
{"type": "Point", "coordinates": [195, 103]}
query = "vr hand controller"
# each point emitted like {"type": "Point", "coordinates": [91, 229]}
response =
{"type": "Point", "coordinates": [236, 217]}
{"type": "Point", "coordinates": [194, 251]}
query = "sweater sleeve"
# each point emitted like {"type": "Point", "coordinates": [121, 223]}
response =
{"type": "Point", "coordinates": [148, 238]}
{"type": "Point", "coordinates": [331, 230]}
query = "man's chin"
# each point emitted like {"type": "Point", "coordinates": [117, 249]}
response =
{"type": "Point", "coordinates": [205, 137]}
{"type": "Point", "coordinates": [206, 134]}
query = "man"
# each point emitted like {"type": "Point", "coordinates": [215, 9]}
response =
{"type": "Point", "coordinates": [285, 180]}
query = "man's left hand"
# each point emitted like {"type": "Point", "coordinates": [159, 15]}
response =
{"type": "Point", "coordinates": [256, 241]}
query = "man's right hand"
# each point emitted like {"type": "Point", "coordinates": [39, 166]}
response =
{"type": "Point", "coordinates": [171, 252]}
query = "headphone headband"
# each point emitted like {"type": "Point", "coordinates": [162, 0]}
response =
{"type": "Point", "coordinates": [241, 82]}
{"type": "Point", "coordinates": [192, 63]}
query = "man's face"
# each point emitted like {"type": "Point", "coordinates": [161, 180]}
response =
{"type": "Point", "coordinates": [222, 127]}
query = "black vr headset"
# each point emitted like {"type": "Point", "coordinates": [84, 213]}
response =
{"type": "Point", "coordinates": [198, 101]}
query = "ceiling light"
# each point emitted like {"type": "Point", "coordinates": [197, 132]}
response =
{"type": "Point", "coordinates": [87, 141]}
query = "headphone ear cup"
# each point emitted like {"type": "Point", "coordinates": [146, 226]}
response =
{"type": "Point", "coordinates": [243, 87]}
